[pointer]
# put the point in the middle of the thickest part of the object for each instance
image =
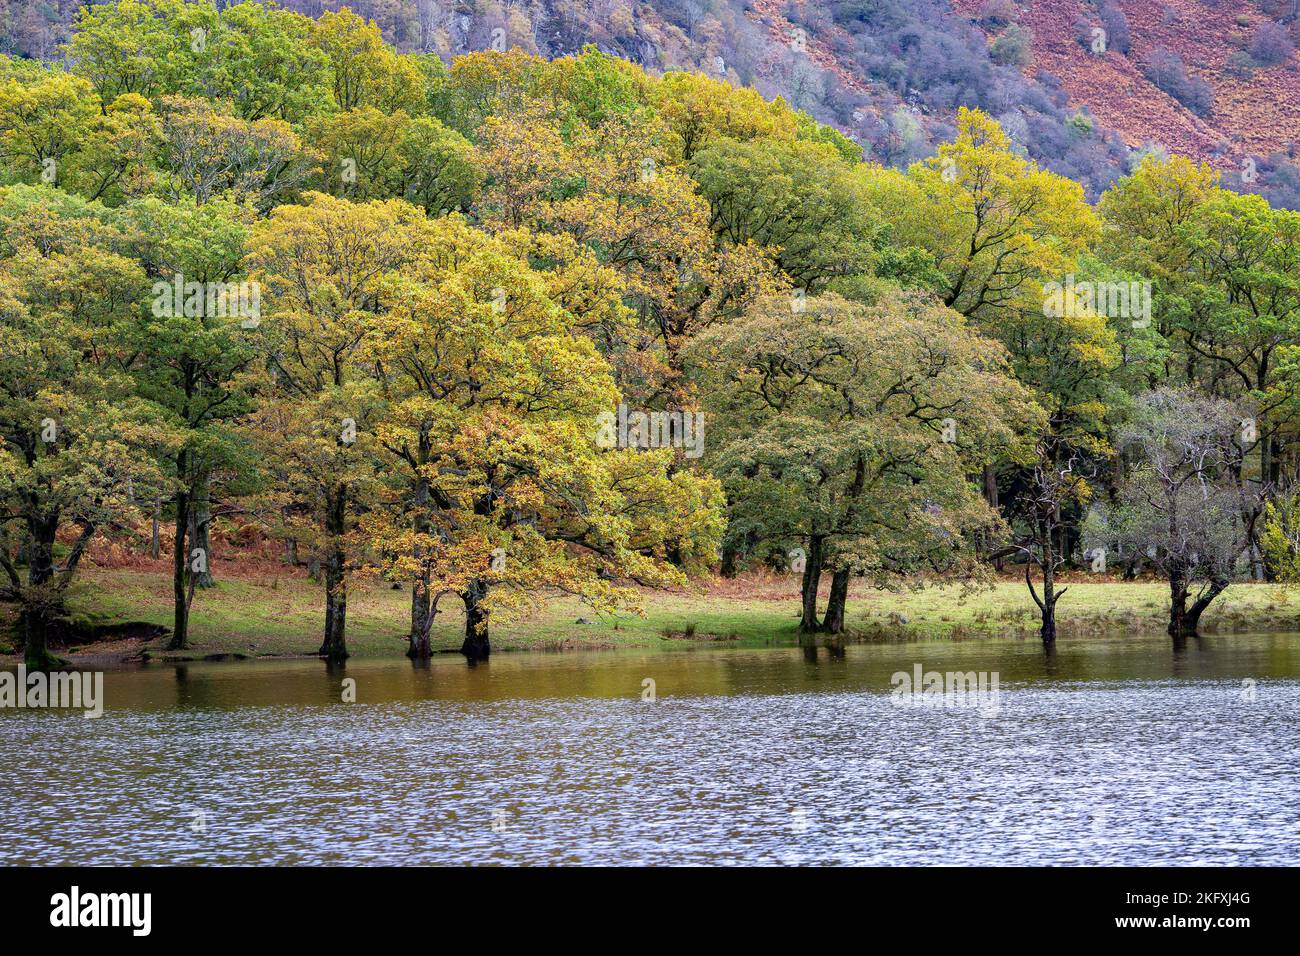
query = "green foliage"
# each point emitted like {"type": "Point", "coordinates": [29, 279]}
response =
{"type": "Point", "coordinates": [1013, 47]}
{"type": "Point", "coordinates": [149, 47]}
{"type": "Point", "coordinates": [857, 426]}
{"type": "Point", "coordinates": [74, 433]}
{"type": "Point", "coordinates": [368, 154]}
{"type": "Point", "coordinates": [1280, 539]}
{"type": "Point", "coordinates": [800, 199]}
{"type": "Point", "coordinates": [1081, 124]}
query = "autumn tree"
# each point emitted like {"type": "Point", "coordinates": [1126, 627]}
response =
{"type": "Point", "coordinates": [698, 110]}
{"type": "Point", "coordinates": [206, 152]}
{"type": "Point", "coordinates": [595, 86]}
{"type": "Point", "coordinates": [492, 399]}
{"type": "Point", "coordinates": [1145, 216]}
{"type": "Point", "coordinates": [614, 190]}
{"type": "Point", "coordinates": [1280, 536]}
{"type": "Point", "coordinates": [266, 62]}
{"type": "Point", "coordinates": [1243, 316]}
{"type": "Point", "coordinates": [483, 84]}
{"type": "Point", "coordinates": [263, 62]}
{"type": "Point", "coordinates": [53, 131]}
{"type": "Point", "coordinates": [1000, 230]}
{"type": "Point", "coordinates": [74, 436]}
{"type": "Point", "coordinates": [146, 47]}
{"type": "Point", "coordinates": [998, 226]}
{"type": "Point", "coordinates": [364, 70]}
{"type": "Point", "coordinates": [1226, 299]}
{"type": "Point", "coordinates": [322, 268]}
{"type": "Point", "coordinates": [799, 200]}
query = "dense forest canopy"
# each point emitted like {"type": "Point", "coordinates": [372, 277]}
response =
{"type": "Point", "coordinates": [510, 326]}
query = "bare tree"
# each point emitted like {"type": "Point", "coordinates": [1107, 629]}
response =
{"type": "Point", "coordinates": [1037, 512]}
{"type": "Point", "coordinates": [1179, 502]}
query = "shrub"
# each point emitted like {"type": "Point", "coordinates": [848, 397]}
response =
{"type": "Point", "coordinates": [1080, 124]}
{"type": "Point", "coordinates": [1271, 44]}
{"type": "Point", "coordinates": [998, 13]}
{"type": "Point", "coordinates": [1116, 26]}
{"type": "Point", "coordinates": [1013, 47]}
{"type": "Point", "coordinates": [1241, 65]}
{"type": "Point", "coordinates": [1165, 69]}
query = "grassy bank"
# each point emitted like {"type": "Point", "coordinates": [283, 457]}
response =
{"type": "Point", "coordinates": [278, 614]}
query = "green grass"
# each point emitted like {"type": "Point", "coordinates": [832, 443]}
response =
{"type": "Point", "coordinates": [283, 615]}
{"type": "Point", "coordinates": [1088, 607]}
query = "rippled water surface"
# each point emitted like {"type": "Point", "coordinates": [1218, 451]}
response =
{"type": "Point", "coordinates": [1115, 751]}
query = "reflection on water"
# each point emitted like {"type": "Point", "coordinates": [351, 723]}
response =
{"type": "Point", "coordinates": [1113, 751]}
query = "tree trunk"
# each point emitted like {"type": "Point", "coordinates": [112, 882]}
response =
{"type": "Point", "coordinates": [991, 486]}
{"type": "Point", "coordinates": [41, 534]}
{"type": "Point", "coordinates": [40, 607]}
{"type": "Point", "coordinates": [421, 609]}
{"type": "Point", "coordinates": [1191, 621]}
{"type": "Point", "coordinates": [36, 628]}
{"type": "Point", "coordinates": [729, 560]}
{"type": "Point", "coordinates": [812, 575]}
{"type": "Point", "coordinates": [1047, 629]}
{"type": "Point", "coordinates": [476, 646]}
{"type": "Point", "coordinates": [335, 647]}
{"type": "Point", "coordinates": [1047, 632]}
{"type": "Point", "coordinates": [1047, 603]}
{"type": "Point", "coordinates": [201, 518]}
{"type": "Point", "coordinates": [180, 573]}
{"type": "Point", "coordinates": [833, 622]}
{"type": "Point", "coordinates": [421, 619]}
{"type": "Point", "coordinates": [1177, 604]}
{"type": "Point", "coordinates": [154, 538]}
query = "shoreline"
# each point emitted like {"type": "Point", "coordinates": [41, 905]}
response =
{"type": "Point", "coordinates": [123, 616]}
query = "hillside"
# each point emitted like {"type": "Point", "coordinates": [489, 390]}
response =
{"type": "Point", "coordinates": [892, 73]}
{"type": "Point", "coordinates": [1255, 108]}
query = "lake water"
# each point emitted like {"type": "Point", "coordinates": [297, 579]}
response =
{"type": "Point", "coordinates": [1114, 751]}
